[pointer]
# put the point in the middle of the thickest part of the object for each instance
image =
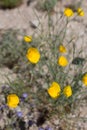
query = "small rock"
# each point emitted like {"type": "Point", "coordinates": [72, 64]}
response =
{"type": "Point", "coordinates": [6, 74]}
{"type": "Point", "coordinates": [2, 124]}
{"type": "Point", "coordinates": [2, 98]}
{"type": "Point", "coordinates": [33, 128]}
{"type": "Point", "coordinates": [45, 85]}
{"type": "Point", "coordinates": [18, 109]}
{"type": "Point", "coordinates": [45, 69]}
{"type": "Point", "coordinates": [34, 23]}
{"type": "Point", "coordinates": [56, 122]}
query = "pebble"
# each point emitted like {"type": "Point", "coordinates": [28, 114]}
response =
{"type": "Point", "coordinates": [45, 85]}
{"type": "Point", "coordinates": [56, 122]}
{"type": "Point", "coordinates": [34, 23]}
{"type": "Point", "coordinates": [18, 109]}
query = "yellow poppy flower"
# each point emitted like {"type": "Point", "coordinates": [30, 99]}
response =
{"type": "Point", "coordinates": [12, 100]}
{"type": "Point", "coordinates": [33, 55]}
{"type": "Point", "coordinates": [67, 91]}
{"type": "Point", "coordinates": [28, 38]}
{"type": "Point", "coordinates": [80, 12]}
{"type": "Point", "coordinates": [62, 61]}
{"type": "Point", "coordinates": [84, 79]}
{"type": "Point", "coordinates": [68, 12]}
{"type": "Point", "coordinates": [54, 90]}
{"type": "Point", "coordinates": [62, 49]}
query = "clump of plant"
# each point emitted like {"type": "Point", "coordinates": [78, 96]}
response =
{"type": "Point", "coordinates": [11, 48]}
{"type": "Point", "coordinates": [46, 5]}
{"type": "Point", "coordinates": [13, 52]}
{"type": "Point", "coordinates": [10, 3]}
{"type": "Point", "coordinates": [49, 4]}
{"type": "Point", "coordinates": [56, 85]}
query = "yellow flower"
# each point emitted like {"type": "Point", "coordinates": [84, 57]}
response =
{"type": "Point", "coordinates": [67, 91]}
{"type": "Point", "coordinates": [84, 79]}
{"type": "Point", "coordinates": [80, 12]}
{"type": "Point", "coordinates": [33, 55]}
{"type": "Point", "coordinates": [54, 90]}
{"type": "Point", "coordinates": [12, 100]}
{"type": "Point", "coordinates": [62, 61]}
{"type": "Point", "coordinates": [62, 49]}
{"type": "Point", "coordinates": [68, 12]}
{"type": "Point", "coordinates": [27, 38]}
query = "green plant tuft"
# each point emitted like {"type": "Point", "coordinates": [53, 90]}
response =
{"type": "Point", "coordinates": [11, 48]}
{"type": "Point", "coordinates": [10, 3]}
{"type": "Point", "coordinates": [46, 5]}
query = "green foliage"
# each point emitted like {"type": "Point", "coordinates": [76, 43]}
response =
{"type": "Point", "coordinates": [47, 5]}
{"type": "Point", "coordinates": [10, 3]}
{"type": "Point", "coordinates": [18, 87]}
{"type": "Point", "coordinates": [11, 49]}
